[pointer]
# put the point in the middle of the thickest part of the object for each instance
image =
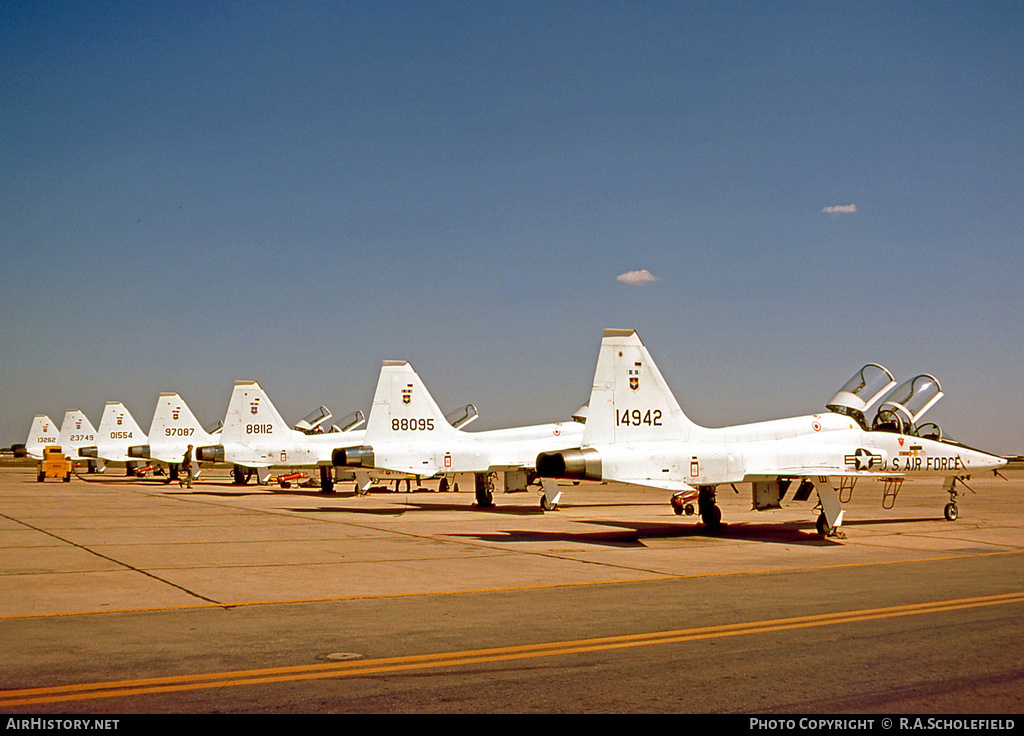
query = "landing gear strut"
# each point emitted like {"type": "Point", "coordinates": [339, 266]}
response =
{"type": "Point", "coordinates": [326, 479]}
{"type": "Point", "coordinates": [484, 490]}
{"type": "Point", "coordinates": [950, 512]}
{"type": "Point", "coordinates": [240, 475]}
{"type": "Point", "coordinates": [708, 509]}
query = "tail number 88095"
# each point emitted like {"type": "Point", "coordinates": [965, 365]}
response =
{"type": "Point", "coordinates": [406, 425]}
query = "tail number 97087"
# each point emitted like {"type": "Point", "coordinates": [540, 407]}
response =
{"type": "Point", "coordinates": [406, 425]}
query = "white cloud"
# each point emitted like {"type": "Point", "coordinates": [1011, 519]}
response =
{"type": "Point", "coordinates": [636, 278]}
{"type": "Point", "coordinates": [840, 209]}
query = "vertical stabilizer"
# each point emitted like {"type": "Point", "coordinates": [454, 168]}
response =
{"type": "Point", "coordinates": [42, 433]}
{"type": "Point", "coordinates": [173, 429]}
{"type": "Point", "coordinates": [630, 400]}
{"type": "Point", "coordinates": [75, 431]}
{"type": "Point", "coordinates": [403, 409]}
{"type": "Point", "coordinates": [251, 416]}
{"type": "Point", "coordinates": [118, 426]}
{"type": "Point", "coordinates": [173, 418]}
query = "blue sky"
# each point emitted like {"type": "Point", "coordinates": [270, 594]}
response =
{"type": "Point", "coordinates": [195, 193]}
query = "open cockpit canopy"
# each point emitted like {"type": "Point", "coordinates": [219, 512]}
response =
{"type": "Point", "coordinates": [858, 394]}
{"type": "Point", "coordinates": [312, 421]}
{"type": "Point", "coordinates": [907, 404]}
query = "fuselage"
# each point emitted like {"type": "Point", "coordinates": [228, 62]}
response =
{"type": "Point", "coordinates": [477, 452]}
{"type": "Point", "coordinates": [289, 447]}
{"type": "Point", "coordinates": [826, 444]}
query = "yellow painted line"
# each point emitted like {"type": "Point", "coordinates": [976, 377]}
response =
{"type": "Point", "coordinates": [510, 589]}
{"type": "Point", "coordinates": [126, 688]}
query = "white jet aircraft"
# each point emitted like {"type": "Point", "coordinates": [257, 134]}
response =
{"type": "Point", "coordinates": [406, 432]}
{"type": "Point", "coordinates": [77, 431]}
{"type": "Point", "coordinates": [41, 434]}
{"type": "Point", "coordinates": [173, 429]}
{"type": "Point", "coordinates": [117, 431]}
{"type": "Point", "coordinates": [636, 433]}
{"type": "Point", "coordinates": [255, 436]}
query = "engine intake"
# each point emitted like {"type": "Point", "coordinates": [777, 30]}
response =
{"type": "Point", "coordinates": [138, 451]}
{"type": "Point", "coordinates": [584, 464]}
{"type": "Point", "coordinates": [358, 457]}
{"type": "Point", "coordinates": [88, 452]}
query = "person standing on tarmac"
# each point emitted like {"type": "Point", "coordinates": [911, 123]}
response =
{"type": "Point", "coordinates": [186, 468]}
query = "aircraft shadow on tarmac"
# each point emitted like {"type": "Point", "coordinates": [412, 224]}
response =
{"type": "Point", "coordinates": [410, 506]}
{"type": "Point", "coordinates": [635, 534]}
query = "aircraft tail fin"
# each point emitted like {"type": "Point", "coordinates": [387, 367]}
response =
{"type": "Point", "coordinates": [173, 419]}
{"type": "Point", "coordinates": [117, 425]}
{"type": "Point", "coordinates": [630, 400]}
{"type": "Point", "coordinates": [402, 408]}
{"type": "Point", "coordinates": [42, 433]}
{"type": "Point", "coordinates": [251, 415]}
{"type": "Point", "coordinates": [75, 431]}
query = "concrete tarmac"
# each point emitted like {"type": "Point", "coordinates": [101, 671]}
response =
{"type": "Point", "coordinates": [134, 596]}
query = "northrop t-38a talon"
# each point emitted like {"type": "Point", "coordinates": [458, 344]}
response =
{"type": "Point", "coordinates": [42, 434]}
{"type": "Point", "coordinates": [173, 429]}
{"type": "Point", "coordinates": [406, 432]}
{"type": "Point", "coordinates": [636, 433]}
{"type": "Point", "coordinates": [256, 436]}
{"type": "Point", "coordinates": [76, 431]}
{"type": "Point", "coordinates": [117, 431]}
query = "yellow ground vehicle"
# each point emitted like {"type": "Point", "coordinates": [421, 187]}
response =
{"type": "Point", "coordinates": [54, 465]}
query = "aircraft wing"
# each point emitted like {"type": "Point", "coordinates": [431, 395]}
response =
{"type": "Point", "coordinates": [803, 471]}
{"type": "Point", "coordinates": [663, 483]}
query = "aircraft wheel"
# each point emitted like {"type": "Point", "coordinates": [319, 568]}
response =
{"type": "Point", "coordinates": [41, 477]}
{"type": "Point", "coordinates": [442, 487]}
{"type": "Point", "coordinates": [822, 524]}
{"type": "Point", "coordinates": [484, 490]}
{"type": "Point", "coordinates": [484, 499]}
{"type": "Point", "coordinates": [326, 479]}
{"type": "Point", "coordinates": [712, 517]}
{"type": "Point", "coordinates": [951, 512]}
{"type": "Point", "coordinates": [546, 504]}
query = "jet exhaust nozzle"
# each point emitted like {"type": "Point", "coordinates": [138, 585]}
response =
{"type": "Point", "coordinates": [359, 457]}
{"type": "Point", "coordinates": [210, 454]}
{"type": "Point", "coordinates": [141, 451]}
{"type": "Point", "coordinates": [88, 452]}
{"type": "Point", "coordinates": [583, 464]}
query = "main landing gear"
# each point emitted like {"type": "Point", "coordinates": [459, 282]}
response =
{"type": "Point", "coordinates": [326, 479]}
{"type": "Point", "coordinates": [484, 487]}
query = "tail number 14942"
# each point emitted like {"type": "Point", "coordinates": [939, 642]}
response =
{"type": "Point", "coordinates": [638, 417]}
